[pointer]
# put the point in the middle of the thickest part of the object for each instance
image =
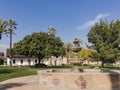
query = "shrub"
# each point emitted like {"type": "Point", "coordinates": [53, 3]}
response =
{"type": "Point", "coordinates": [6, 71]}
{"type": "Point", "coordinates": [40, 65]}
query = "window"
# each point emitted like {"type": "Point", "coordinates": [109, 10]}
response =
{"type": "Point", "coordinates": [1, 62]}
{"type": "Point", "coordinates": [35, 61]}
{"type": "Point", "coordinates": [21, 61]}
{"type": "Point", "coordinates": [29, 61]}
{"type": "Point", "coordinates": [14, 61]}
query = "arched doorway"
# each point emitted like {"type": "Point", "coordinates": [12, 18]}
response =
{"type": "Point", "coordinates": [29, 62]}
{"type": "Point", "coordinates": [1, 62]}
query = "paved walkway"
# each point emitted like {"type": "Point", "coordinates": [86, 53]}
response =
{"type": "Point", "coordinates": [26, 83]}
{"type": "Point", "coordinates": [29, 83]}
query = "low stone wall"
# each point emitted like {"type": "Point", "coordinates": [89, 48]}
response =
{"type": "Point", "coordinates": [88, 80]}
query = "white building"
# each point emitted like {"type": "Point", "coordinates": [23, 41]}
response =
{"type": "Point", "coordinates": [31, 61]}
{"type": "Point", "coordinates": [22, 61]}
{"type": "Point", "coordinates": [53, 61]}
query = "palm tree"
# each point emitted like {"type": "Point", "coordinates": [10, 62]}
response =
{"type": "Point", "coordinates": [11, 26]}
{"type": "Point", "coordinates": [3, 25]}
{"type": "Point", "coordinates": [51, 30]}
{"type": "Point", "coordinates": [68, 47]}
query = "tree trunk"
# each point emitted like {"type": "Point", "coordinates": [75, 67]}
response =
{"type": "Point", "coordinates": [68, 57]}
{"type": "Point", "coordinates": [50, 61]}
{"type": "Point", "coordinates": [10, 54]}
{"type": "Point", "coordinates": [39, 60]}
{"type": "Point", "coordinates": [55, 63]}
{"type": "Point", "coordinates": [102, 63]}
{"type": "Point", "coordinates": [10, 43]}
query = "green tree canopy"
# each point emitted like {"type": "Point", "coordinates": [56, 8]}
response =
{"type": "Point", "coordinates": [68, 46]}
{"type": "Point", "coordinates": [84, 53]}
{"type": "Point", "coordinates": [105, 39]}
{"type": "Point", "coordinates": [3, 25]}
{"type": "Point", "coordinates": [39, 45]}
{"type": "Point", "coordinates": [51, 30]}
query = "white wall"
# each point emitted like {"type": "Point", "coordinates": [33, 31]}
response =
{"type": "Point", "coordinates": [56, 61]}
{"type": "Point", "coordinates": [8, 61]}
{"type": "Point", "coordinates": [25, 61]}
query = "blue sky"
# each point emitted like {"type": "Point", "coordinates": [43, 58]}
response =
{"type": "Point", "coordinates": [71, 18]}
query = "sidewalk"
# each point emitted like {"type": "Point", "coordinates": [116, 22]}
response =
{"type": "Point", "coordinates": [26, 83]}
{"type": "Point", "coordinates": [22, 83]}
{"type": "Point", "coordinates": [29, 83]}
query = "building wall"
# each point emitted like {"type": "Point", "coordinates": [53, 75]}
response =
{"type": "Point", "coordinates": [8, 61]}
{"type": "Point", "coordinates": [50, 62]}
{"type": "Point", "coordinates": [53, 61]}
{"type": "Point", "coordinates": [22, 61]}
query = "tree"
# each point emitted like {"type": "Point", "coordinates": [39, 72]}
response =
{"type": "Point", "coordinates": [3, 25]}
{"type": "Point", "coordinates": [105, 39]}
{"type": "Point", "coordinates": [11, 25]}
{"type": "Point", "coordinates": [22, 47]}
{"type": "Point", "coordinates": [68, 47]}
{"type": "Point", "coordinates": [39, 45]}
{"type": "Point", "coordinates": [84, 53]}
{"type": "Point", "coordinates": [51, 30]}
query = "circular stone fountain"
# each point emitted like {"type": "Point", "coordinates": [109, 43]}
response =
{"type": "Point", "coordinates": [85, 80]}
{"type": "Point", "coordinates": [76, 47]}
{"type": "Point", "coordinates": [75, 79]}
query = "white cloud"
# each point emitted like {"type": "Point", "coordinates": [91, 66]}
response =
{"type": "Point", "coordinates": [92, 22]}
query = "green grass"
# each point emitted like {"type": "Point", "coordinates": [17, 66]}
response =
{"type": "Point", "coordinates": [106, 67]}
{"type": "Point", "coordinates": [12, 72]}
{"type": "Point", "coordinates": [110, 68]}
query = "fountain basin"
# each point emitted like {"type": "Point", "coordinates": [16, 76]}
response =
{"type": "Point", "coordinates": [85, 80]}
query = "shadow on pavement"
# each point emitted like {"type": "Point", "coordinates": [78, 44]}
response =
{"type": "Point", "coordinates": [10, 85]}
{"type": "Point", "coordinates": [114, 78]}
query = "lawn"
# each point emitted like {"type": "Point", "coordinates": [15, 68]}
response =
{"type": "Point", "coordinates": [12, 72]}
